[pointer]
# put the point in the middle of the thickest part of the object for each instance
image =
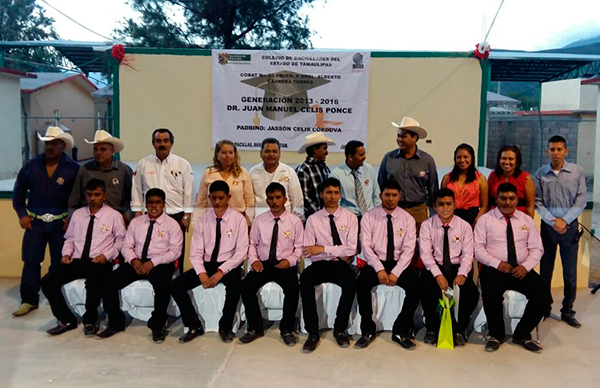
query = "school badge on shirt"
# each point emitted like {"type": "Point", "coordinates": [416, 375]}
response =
{"type": "Point", "coordinates": [344, 228]}
{"type": "Point", "coordinates": [115, 181]}
{"type": "Point", "coordinates": [422, 174]}
{"type": "Point", "coordinates": [60, 181]}
{"type": "Point", "coordinates": [175, 173]}
{"type": "Point", "coordinates": [160, 233]}
{"type": "Point", "coordinates": [287, 234]}
{"type": "Point", "coordinates": [105, 227]}
{"type": "Point", "coordinates": [230, 233]}
{"type": "Point", "coordinates": [525, 229]}
{"type": "Point", "coordinates": [457, 239]}
{"type": "Point", "coordinates": [400, 232]}
{"type": "Point", "coordinates": [367, 182]}
{"type": "Point", "coordinates": [284, 178]}
{"type": "Point", "coordinates": [235, 183]}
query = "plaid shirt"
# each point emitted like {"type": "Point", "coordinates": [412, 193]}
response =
{"type": "Point", "coordinates": [311, 173]}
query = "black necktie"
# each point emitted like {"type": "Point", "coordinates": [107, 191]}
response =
{"type": "Point", "coordinates": [273, 247]}
{"type": "Point", "coordinates": [389, 252]}
{"type": "Point", "coordinates": [147, 241]}
{"type": "Point", "coordinates": [334, 233]}
{"type": "Point", "coordinates": [510, 244]}
{"type": "Point", "coordinates": [85, 254]}
{"type": "Point", "coordinates": [215, 252]}
{"type": "Point", "coordinates": [447, 263]}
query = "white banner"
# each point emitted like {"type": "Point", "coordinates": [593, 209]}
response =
{"type": "Point", "coordinates": [288, 95]}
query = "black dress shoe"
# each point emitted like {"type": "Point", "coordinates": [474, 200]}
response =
{"type": "Point", "coordinates": [226, 336]}
{"type": "Point", "coordinates": [289, 338]}
{"type": "Point", "coordinates": [571, 321]}
{"type": "Point", "coordinates": [62, 328]}
{"type": "Point", "coordinates": [404, 341]}
{"type": "Point", "coordinates": [364, 341]}
{"type": "Point", "coordinates": [89, 330]}
{"type": "Point", "coordinates": [528, 344]}
{"type": "Point", "coordinates": [342, 339]}
{"type": "Point", "coordinates": [311, 343]}
{"type": "Point", "coordinates": [191, 334]}
{"type": "Point", "coordinates": [492, 345]}
{"type": "Point", "coordinates": [159, 336]}
{"type": "Point", "coordinates": [251, 336]}
{"type": "Point", "coordinates": [108, 332]}
{"type": "Point", "coordinates": [430, 338]}
{"type": "Point", "coordinates": [459, 340]}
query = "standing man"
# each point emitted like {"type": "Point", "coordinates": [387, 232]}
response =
{"type": "Point", "coordinates": [330, 241]}
{"type": "Point", "coordinates": [276, 242]}
{"type": "Point", "coordinates": [170, 173]}
{"type": "Point", "coordinates": [313, 171]}
{"type": "Point", "coordinates": [272, 170]}
{"type": "Point", "coordinates": [388, 264]}
{"type": "Point", "coordinates": [218, 250]}
{"type": "Point", "coordinates": [358, 179]}
{"type": "Point", "coordinates": [93, 240]}
{"type": "Point", "coordinates": [48, 178]}
{"type": "Point", "coordinates": [560, 197]}
{"type": "Point", "coordinates": [508, 246]}
{"type": "Point", "coordinates": [152, 244]}
{"type": "Point", "coordinates": [116, 175]}
{"type": "Point", "coordinates": [413, 169]}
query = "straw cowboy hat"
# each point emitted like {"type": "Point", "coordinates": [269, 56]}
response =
{"type": "Point", "coordinates": [56, 133]}
{"type": "Point", "coordinates": [412, 125]}
{"type": "Point", "coordinates": [101, 136]}
{"type": "Point", "coordinates": [314, 138]}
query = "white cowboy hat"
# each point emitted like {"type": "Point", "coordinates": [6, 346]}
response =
{"type": "Point", "coordinates": [101, 136]}
{"type": "Point", "coordinates": [56, 133]}
{"type": "Point", "coordinates": [314, 138]}
{"type": "Point", "coordinates": [412, 125]}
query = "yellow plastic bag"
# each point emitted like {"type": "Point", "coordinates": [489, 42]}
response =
{"type": "Point", "coordinates": [446, 336]}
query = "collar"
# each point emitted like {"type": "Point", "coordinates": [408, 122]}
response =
{"type": "Point", "coordinates": [498, 214]}
{"type": "Point", "coordinates": [282, 216]}
{"type": "Point", "coordinates": [311, 160]}
{"type": "Point", "coordinates": [336, 214]}
{"type": "Point", "coordinates": [160, 220]}
{"type": "Point", "coordinates": [262, 167]}
{"type": "Point", "coordinates": [167, 159]}
{"type": "Point", "coordinates": [98, 214]}
{"type": "Point", "coordinates": [113, 165]}
{"type": "Point", "coordinates": [567, 167]}
{"type": "Point", "coordinates": [347, 170]}
{"type": "Point", "coordinates": [417, 154]}
{"type": "Point", "coordinates": [437, 222]}
{"type": "Point", "coordinates": [225, 216]}
{"type": "Point", "coordinates": [383, 213]}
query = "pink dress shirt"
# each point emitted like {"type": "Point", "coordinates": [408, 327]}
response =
{"type": "Point", "coordinates": [373, 237]}
{"type": "Point", "coordinates": [431, 244]}
{"type": "Point", "coordinates": [318, 232]}
{"type": "Point", "coordinates": [107, 236]}
{"type": "Point", "coordinates": [290, 238]}
{"type": "Point", "coordinates": [165, 244]}
{"type": "Point", "coordinates": [490, 239]}
{"type": "Point", "coordinates": [234, 240]}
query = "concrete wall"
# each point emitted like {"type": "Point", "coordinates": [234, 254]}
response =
{"type": "Point", "coordinates": [586, 143]}
{"type": "Point", "coordinates": [10, 126]}
{"type": "Point", "coordinates": [561, 95]}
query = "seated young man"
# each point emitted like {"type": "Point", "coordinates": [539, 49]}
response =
{"type": "Point", "coordinates": [330, 240]}
{"type": "Point", "coordinates": [447, 252]}
{"type": "Point", "coordinates": [154, 241]}
{"type": "Point", "coordinates": [218, 249]}
{"type": "Point", "coordinates": [388, 238]}
{"type": "Point", "coordinates": [509, 246]}
{"type": "Point", "coordinates": [276, 242]}
{"type": "Point", "coordinates": [93, 239]}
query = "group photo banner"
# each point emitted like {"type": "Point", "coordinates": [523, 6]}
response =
{"type": "Point", "coordinates": [288, 95]}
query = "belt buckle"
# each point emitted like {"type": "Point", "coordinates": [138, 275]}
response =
{"type": "Point", "coordinates": [47, 217]}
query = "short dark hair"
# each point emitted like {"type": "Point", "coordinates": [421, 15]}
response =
{"type": "Point", "coordinates": [270, 140]}
{"type": "Point", "coordinates": [218, 186]}
{"type": "Point", "coordinates": [275, 186]}
{"type": "Point", "coordinates": [506, 187]}
{"type": "Point", "coordinates": [311, 149]}
{"type": "Point", "coordinates": [163, 130]}
{"type": "Point", "coordinates": [156, 192]}
{"type": "Point", "coordinates": [327, 183]}
{"type": "Point", "coordinates": [389, 184]}
{"type": "Point", "coordinates": [94, 184]}
{"type": "Point", "coordinates": [352, 146]}
{"type": "Point", "coordinates": [558, 139]}
{"type": "Point", "coordinates": [512, 148]}
{"type": "Point", "coordinates": [442, 193]}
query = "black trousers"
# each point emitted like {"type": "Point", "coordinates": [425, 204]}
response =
{"type": "Point", "coordinates": [94, 275]}
{"type": "Point", "coordinates": [160, 278]}
{"type": "Point", "coordinates": [493, 285]}
{"type": "Point", "coordinates": [190, 280]}
{"type": "Point", "coordinates": [179, 217]}
{"type": "Point", "coordinates": [469, 297]}
{"type": "Point", "coordinates": [337, 272]}
{"type": "Point", "coordinates": [287, 280]}
{"type": "Point", "coordinates": [408, 281]}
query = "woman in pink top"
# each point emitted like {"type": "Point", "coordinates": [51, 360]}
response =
{"type": "Point", "coordinates": [227, 167]}
{"type": "Point", "coordinates": [469, 185]}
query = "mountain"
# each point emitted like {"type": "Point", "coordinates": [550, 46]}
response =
{"type": "Point", "coordinates": [583, 42]}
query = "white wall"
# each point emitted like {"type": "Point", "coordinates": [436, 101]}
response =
{"type": "Point", "coordinates": [588, 97]}
{"type": "Point", "coordinates": [10, 126]}
{"type": "Point", "coordinates": [561, 95]}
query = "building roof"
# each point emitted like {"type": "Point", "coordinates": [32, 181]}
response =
{"type": "Point", "coordinates": [495, 97]}
{"type": "Point", "coordinates": [16, 73]}
{"type": "Point", "coordinates": [45, 80]}
{"type": "Point", "coordinates": [105, 92]}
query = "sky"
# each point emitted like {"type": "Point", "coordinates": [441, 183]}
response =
{"type": "Point", "coordinates": [426, 25]}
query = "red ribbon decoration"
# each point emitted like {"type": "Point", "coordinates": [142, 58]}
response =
{"type": "Point", "coordinates": [483, 52]}
{"type": "Point", "coordinates": [118, 53]}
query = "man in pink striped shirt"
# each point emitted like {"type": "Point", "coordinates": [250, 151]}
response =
{"type": "Point", "coordinates": [219, 248]}
{"type": "Point", "coordinates": [154, 241]}
{"type": "Point", "coordinates": [330, 240]}
{"type": "Point", "coordinates": [446, 245]}
{"type": "Point", "coordinates": [92, 242]}
{"type": "Point", "coordinates": [276, 242]}
{"type": "Point", "coordinates": [509, 246]}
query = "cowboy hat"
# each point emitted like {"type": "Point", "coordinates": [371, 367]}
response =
{"type": "Point", "coordinates": [412, 125]}
{"type": "Point", "coordinates": [101, 136]}
{"type": "Point", "coordinates": [314, 138]}
{"type": "Point", "coordinates": [56, 133]}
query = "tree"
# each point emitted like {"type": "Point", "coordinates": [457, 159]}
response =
{"type": "Point", "coordinates": [264, 24]}
{"type": "Point", "coordinates": [25, 20]}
